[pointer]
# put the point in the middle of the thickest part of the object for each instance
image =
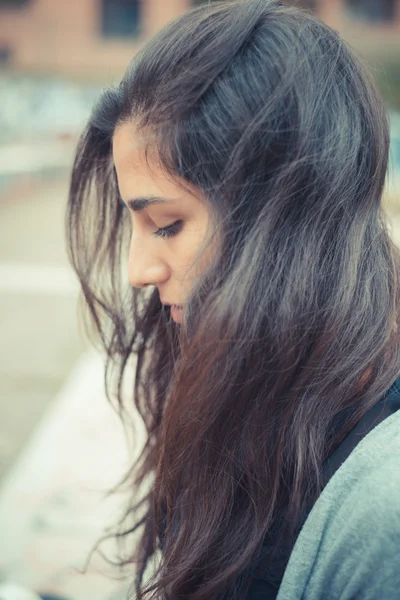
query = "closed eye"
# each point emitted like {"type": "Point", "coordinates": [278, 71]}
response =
{"type": "Point", "coordinates": [164, 232]}
{"type": "Point", "coordinates": [169, 231]}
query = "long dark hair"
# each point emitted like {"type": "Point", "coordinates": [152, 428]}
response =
{"type": "Point", "coordinates": [271, 115]}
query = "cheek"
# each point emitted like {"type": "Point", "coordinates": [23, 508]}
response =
{"type": "Point", "coordinates": [183, 255]}
{"type": "Point", "coordinates": [183, 261]}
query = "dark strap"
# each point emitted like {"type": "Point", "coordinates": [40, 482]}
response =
{"type": "Point", "coordinates": [389, 404]}
{"type": "Point", "coordinates": [270, 572]}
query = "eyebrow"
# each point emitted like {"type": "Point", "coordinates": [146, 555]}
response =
{"type": "Point", "coordinates": [137, 204]}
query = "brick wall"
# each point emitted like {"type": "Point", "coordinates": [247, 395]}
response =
{"type": "Point", "coordinates": [55, 36]}
{"type": "Point", "coordinates": [49, 35]}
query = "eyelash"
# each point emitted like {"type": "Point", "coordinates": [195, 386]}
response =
{"type": "Point", "coordinates": [163, 232]}
{"type": "Point", "coordinates": [170, 231]}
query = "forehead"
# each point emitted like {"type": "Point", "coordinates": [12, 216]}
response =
{"type": "Point", "coordinates": [128, 150]}
{"type": "Point", "coordinates": [135, 174]}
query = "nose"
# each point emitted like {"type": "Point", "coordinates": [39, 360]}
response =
{"type": "Point", "coordinates": [145, 265]}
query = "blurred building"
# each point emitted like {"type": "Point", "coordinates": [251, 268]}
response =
{"type": "Point", "coordinates": [371, 26]}
{"type": "Point", "coordinates": [79, 36]}
{"type": "Point", "coordinates": [98, 37]}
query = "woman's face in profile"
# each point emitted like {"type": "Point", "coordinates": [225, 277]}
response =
{"type": "Point", "coordinates": [168, 223]}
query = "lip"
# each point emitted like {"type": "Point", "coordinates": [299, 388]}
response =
{"type": "Point", "coordinates": [170, 303]}
{"type": "Point", "coordinates": [176, 311]}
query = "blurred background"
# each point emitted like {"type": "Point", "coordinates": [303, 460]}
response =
{"type": "Point", "coordinates": [61, 445]}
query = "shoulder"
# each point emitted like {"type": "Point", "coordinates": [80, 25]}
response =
{"type": "Point", "coordinates": [349, 544]}
{"type": "Point", "coordinates": [367, 483]}
{"type": "Point", "coordinates": [371, 472]}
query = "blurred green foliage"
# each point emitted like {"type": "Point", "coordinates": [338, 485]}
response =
{"type": "Point", "coordinates": [387, 76]}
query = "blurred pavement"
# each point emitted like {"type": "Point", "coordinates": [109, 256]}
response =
{"type": "Point", "coordinates": [62, 447]}
{"type": "Point", "coordinates": [53, 503]}
{"type": "Point", "coordinates": [40, 341]}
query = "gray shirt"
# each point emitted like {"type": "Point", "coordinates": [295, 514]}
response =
{"type": "Point", "coordinates": [349, 546]}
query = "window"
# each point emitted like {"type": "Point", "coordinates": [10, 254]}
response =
{"type": "Point", "coordinates": [120, 18]}
{"type": "Point", "coordinates": [307, 4]}
{"type": "Point", "coordinates": [5, 54]}
{"type": "Point", "coordinates": [371, 10]}
{"type": "Point", "coordinates": [13, 3]}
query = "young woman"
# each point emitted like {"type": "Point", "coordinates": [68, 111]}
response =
{"type": "Point", "coordinates": [239, 165]}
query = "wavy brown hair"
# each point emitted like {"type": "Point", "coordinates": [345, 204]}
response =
{"type": "Point", "coordinates": [292, 325]}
